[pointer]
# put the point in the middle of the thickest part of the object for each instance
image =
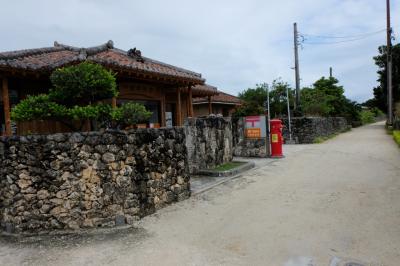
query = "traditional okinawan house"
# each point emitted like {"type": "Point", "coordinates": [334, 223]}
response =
{"type": "Point", "coordinates": [222, 103]}
{"type": "Point", "coordinates": [166, 90]}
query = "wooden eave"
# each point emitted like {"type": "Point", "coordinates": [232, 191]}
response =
{"type": "Point", "coordinates": [121, 72]}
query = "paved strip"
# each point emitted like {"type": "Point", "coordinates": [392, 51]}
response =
{"type": "Point", "coordinates": [323, 204]}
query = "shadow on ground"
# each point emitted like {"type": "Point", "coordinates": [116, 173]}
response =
{"type": "Point", "coordinates": [130, 235]}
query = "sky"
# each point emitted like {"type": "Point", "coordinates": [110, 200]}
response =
{"type": "Point", "coordinates": [235, 44]}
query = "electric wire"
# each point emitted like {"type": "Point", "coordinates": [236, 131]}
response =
{"type": "Point", "coordinates": [344, 39]}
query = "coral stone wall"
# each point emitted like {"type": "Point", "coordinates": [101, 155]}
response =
{"type": "Point", "coordinates": [307, 129]}
{"type": "Point", "coordinates": [208, 142]}
{"type": "Point", "coordinates": [78, 180]}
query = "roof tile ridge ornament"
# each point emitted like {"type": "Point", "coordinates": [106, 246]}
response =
{"type": "Point", "coordinates": [85, 52]}
{"type": "Point", "coordinates": [136, 54]}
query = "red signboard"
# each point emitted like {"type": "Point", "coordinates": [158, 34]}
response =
{"type": "Point", "coordinates": [252, 121]}
{"type": "Point", "coordinates": [253, 133]}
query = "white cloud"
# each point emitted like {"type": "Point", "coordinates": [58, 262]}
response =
{"type": "Point", "coordinates": [234, 44]}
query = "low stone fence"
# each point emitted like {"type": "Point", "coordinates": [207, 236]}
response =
{"type": "Point", "coordinates": [245, 147]}
{"type": "Point", "coordinates": [94, 179]}
{"type": "Point", "coordinates": [396, 123]}
{"type": "Point", "coordinates": [308, 129]}
{"type": "Point", "coordinates": [208, 142]}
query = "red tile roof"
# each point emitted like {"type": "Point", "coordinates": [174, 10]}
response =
{"type": "Point", "coordinates": [222, 97]}
{"type": "Point", "coordinates": [204, 90]}
{"type": "Point", "coordinates": [50, 58]}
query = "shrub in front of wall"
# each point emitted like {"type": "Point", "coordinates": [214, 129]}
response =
{"type": "Point", "coordinates": [76, 95]}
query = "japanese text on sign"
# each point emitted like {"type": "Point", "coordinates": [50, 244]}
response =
{"type": "Point", "coordinates": [253, 133]}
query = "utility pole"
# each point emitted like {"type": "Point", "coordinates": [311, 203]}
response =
{"type": "Point", "coordinates": [389, 64]}
{"type": "Point", "coordinates": [268, 121]}
{"type": "Point", "coordinates": [296, 65]}
{"type": "Point", "coordinates": [288, 113]}
{"type": "Point", "coordinates": [330, 72]}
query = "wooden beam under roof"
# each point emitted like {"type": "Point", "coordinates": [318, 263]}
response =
{"type": "Point", "coordinates": [209, 105]}
{"type": "Point", "coordinates": [6, 106]}
{"type": "Point", "coordinates": [190, 98]}
{"type": "Point", "coordinates": [178, 108]}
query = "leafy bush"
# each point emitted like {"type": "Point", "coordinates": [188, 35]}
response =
{"type": "Point", "coordinates": [367, 117]}
{"type": "Point", "coordinates": [38, 107]}
{"type": "Point", "coordinates": [74, 97]}
{"type": "Point", "coordinates": [131, 114]}
{"type": "Point", "coordinates": [41, 108]}
{"type": "Point", "coordinates": [83, 112]}
{"type": "Point", "coordinates": [377, 112]}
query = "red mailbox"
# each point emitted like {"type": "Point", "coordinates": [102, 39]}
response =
{"type": "Point", "coordinates": [276, 138]}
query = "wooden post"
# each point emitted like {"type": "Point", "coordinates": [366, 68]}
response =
{"type": "Point", "coordinates": [6, 105]}
{"type": "Point", "coordinates": [178, 108]}
{"type": "Point", "coordinates": [114, 102]}
{"type": "Point", "coordinates": [190, 96]}
{"type": "Point", "coordinates": [187, 105]}
{"type": "Point", "coordinates": [209, 105]}
{"type": "Point", "coordinates": [163, 108]}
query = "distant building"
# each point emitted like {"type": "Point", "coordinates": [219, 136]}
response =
{"type": "Point", "coordinates": [222, 103]}
{"type": "Point", "coordinates": [168, 91]}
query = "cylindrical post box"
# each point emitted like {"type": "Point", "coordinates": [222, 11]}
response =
{"type": "Point", "coordinates": [276, 138]}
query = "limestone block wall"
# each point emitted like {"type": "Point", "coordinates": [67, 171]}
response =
{"type": "Point", "coordinates": [307, 129]}
{"type": "Point", "coordinates": [208, 142]}
{"type": "Point", "coordinates": [95, 179]}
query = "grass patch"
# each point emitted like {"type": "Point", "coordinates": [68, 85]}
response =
{"type": "Point", "coordinates": [319, 140]}
{"type": "Point", "coordinates": [396, 136]}
{"type": "Point", "coordinates": [228, 166]}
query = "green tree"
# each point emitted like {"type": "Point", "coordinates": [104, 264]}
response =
{"type": "Point", "coordinates": [83, 83]}
{"type": "Point", "coordinates": [278, 98]}
{"type": "Point", "coordinates": [326, 98]}
{"type": "Point", "coordinates": [380, 92]}
{"type": "Point", "coordinates": [315, 102]}
{"type": "Point", "coordinates": [334, 94]}
{"type": "Point", "coordinates": [253, 101]}
{"type": "Point", "coordinates": [255, 98]}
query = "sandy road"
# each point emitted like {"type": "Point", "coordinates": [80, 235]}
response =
{"type": "Point", "coordinates": [321, 205]}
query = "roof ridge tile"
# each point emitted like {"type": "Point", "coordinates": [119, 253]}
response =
{"type": "Point", "coordinates": [28, 52]}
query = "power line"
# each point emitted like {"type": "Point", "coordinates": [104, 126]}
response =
{"type": "Point", "coordinates": [317, 43]}
{"type": "Point", "coordinates": [344, 37]}
{"type": "Point", "coordinates": [352, 39]}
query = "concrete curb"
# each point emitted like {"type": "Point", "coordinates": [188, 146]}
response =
{"type": "Point", "coordinates": [225, 179]}
{"type": "Point", "coordinates": [212, 185]}
{"type": "Point", "coordinates": [235, 171]}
